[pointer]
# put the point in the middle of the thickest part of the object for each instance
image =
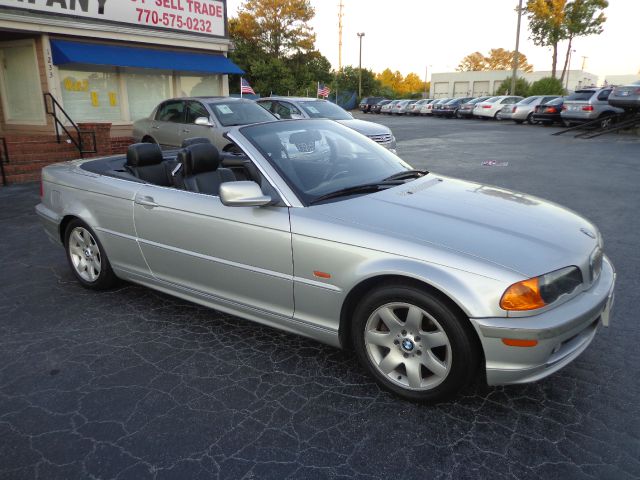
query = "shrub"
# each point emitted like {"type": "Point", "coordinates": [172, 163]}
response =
{"type": "Point", "coordinates": [522, 87]}
{"type": "Point", "coordinates": [547, 86]}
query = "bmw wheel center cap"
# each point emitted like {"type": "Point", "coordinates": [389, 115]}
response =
{"type": "Point", "coordinates": [407, 345]}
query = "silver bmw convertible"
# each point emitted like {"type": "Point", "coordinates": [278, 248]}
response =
{"type": "Point", "coordinates": [315, 229]}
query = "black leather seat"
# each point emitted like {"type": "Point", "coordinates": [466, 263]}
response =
{"type": "Point", "coordinates": [187, 142]}
{"type": "Point", "coordinates": [145, 161]}
{"type": "Point", "coordinates": [201, 169]}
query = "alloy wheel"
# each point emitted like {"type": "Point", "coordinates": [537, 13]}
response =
{"type": "Point", "coordinates": [408, 346]}
{"type": "Point", "coordinates": [85, 254]}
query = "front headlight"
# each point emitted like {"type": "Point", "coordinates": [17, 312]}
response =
{"type": "Point", "coordinates": [541, 291]}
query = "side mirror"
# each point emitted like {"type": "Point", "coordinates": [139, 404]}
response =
{"type": "Point", "coordinates": [243, 194]}
{"type": "Point", "coordinates": [203, 122]}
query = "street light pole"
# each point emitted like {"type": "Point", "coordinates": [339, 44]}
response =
{"type": "Point", "coordinates": [360, 35]}
{"type": "Point", "coordinates": [516, 52]}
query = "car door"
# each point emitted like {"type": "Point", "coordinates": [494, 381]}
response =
{"type": "Point", "coordinates": [234, 255]}
{"type": "Point", "coordinates": [167, 122]}
{"type": "Point", "coordinates": [189, 129]}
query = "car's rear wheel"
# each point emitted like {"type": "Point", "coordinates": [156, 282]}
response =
{"type": "Point", "coordinates": [530, 120]}
{"type": "Point", "coordinates": [413, 343]}
{"type": "Point", "coordinates": [87, 258]}
{"type": "Point", "coordinates": [498, 115]}
{"type": "Point", "coordinates": [606, 120]}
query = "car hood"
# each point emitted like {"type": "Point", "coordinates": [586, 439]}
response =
{"type": "Point", "coordinates": [364, 127]}
{"type": "Point", "coordinates": [519, 232]}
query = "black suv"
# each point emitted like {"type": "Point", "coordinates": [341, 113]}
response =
{"type": "Point", "coordinates": [367, 102]}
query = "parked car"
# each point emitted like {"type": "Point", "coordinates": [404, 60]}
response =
{"type": "Point", "coordinates": [402, 107]}
{"type": "Point", "coordinates": [626, 96]}
{"type": "Point", "coordinates": [176, 119]}
{"type": "Point", "coordinates": [302, 107]}
{"type": "Point", "coordinates": [466, 109]}
{"type": "Point", "coordinates": [450, 109]}
{"type": "Point", "coordinates": [588, 104]}
{"type": "Point", "coordinates": [389, 107]}
{"type": "Point", "coordinates": [488, 282]}
{"type": "Point", "coordinates": [491, 108]}
{"type": "Point", "coordinates": [367, 103]}
{"type": "Point", "coordinates": [427, 108]}
{"type": "Point", "coordinates": [436, 105]}
{"type": "Point", "coordinates": [416, 107]}
{"type": "Point", "coordinates": [549, 113]}
{"type": "Point", "coordinates": [523, 110]}
{"type": "Point", "coordinates": [378, 106]}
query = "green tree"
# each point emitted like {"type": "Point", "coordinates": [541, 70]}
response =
{"type": "Point", "coordinates": [278, 27]}
{"type": "Point", "coordinates": [552, 21]}
{"type": "Point", "coordinates": [348, 79]}
{"type": "Point", "coordinates": [546, 23]}
{"type": "Point", "coordinates": [582, 18]}
{"type": "Point", "coordinates": [411, 84]}
{"type": "Point", "coordinates": [547, 86]}
{"type": "Point", "coordinates": [522, 87]}
{"type": "Point", "coordinates": [392, 80]}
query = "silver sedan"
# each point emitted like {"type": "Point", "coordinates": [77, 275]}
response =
{"type": "Point", "coordinates": [434, 282]}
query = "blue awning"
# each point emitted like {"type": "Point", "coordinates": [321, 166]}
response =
{"type": "Point", "coordinates": [65, 52]}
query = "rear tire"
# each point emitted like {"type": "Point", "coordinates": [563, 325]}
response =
{"type": "Point", "coordinates": [413, 343]}
{"type": "Point", "coordinates": [87, 257]}
{"type": "Point", "coordinates": [530, 119]}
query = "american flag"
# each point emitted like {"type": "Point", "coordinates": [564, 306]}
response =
{"type": "Point", "coordinates": [323, 90]}
{"type": "Point", "coordinates": [245, 87]}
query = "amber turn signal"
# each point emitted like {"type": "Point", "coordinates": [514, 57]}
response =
{"type": "Point", "coordinates": [524, 295]}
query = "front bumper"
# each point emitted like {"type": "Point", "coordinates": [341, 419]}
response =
{"type": "Point", "coordinates": [562, 333]}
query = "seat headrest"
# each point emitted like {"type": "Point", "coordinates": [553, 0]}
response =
{"type": "Point", "coordinates": [187, 142]}
{"type": "Point", "coordinates": [199, 158]}
{"type": "Point", "coordinates": [308, 136]}
{"type": "Point", "coordinates": [144, 154]}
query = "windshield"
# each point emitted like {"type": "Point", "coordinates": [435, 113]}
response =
{"type": "Point", "coordinates": [318, 157]}
{"type": "Point", "coordinates": [528, 100]}
{"type": "Point", "coordinates": [581, 95]}
{"type": "Point", "coordinates": [240, 113]}
{"type": "Point", "coordinates": [324, 109]}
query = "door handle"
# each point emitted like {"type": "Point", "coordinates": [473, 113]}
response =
{"type": "Point", "coordinates": [186, 131]}
{"type": "Point", "coordinates": [146, 201]}
{"type": "Point", "coordinates": [155, 127]}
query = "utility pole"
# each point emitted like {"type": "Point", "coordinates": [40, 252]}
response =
{"type": "Point", "coordinates": [360, 35]}
{"type": "Point", "coordinates": [566, 83]}
{"type": "Point", "coordinates": [340, 15]}
{"type": "Point", "coordinates": [516, 52]}
{"type": "Point", "coordinates": [426, 77]}
{"type": "Point", "coordinates": [584, 62]}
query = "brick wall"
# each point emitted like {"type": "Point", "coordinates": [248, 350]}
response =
{"type": "Point", "coordinates": [28, 154]}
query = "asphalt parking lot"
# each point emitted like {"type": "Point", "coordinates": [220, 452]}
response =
{"type": "Point", "coordinates": [134, 384]}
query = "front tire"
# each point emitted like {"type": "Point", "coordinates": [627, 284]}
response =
{"type": "Point", "coordinates": [413, 343]}
{"type": "Point", "coordinates": [87, 258]}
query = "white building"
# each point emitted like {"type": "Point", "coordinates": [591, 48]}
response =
{"type": "Point", "coordinates": [622, 79]}
{"type": "Point", "coordinates": [478, 84]}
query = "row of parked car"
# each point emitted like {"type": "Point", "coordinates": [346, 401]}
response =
{"type": "Point", "coordinates": [583, 105]}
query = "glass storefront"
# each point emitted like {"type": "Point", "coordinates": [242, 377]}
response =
{"type": "Point", "coordinates": [20, 83]}
{"type": "Point", "coordinates": [122, 95]}
{"type": "Point", "coordinates": [88, 95]}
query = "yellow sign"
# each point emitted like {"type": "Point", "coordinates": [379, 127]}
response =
{"type": "Point", "coordinates": [113, 99]}
{"type": "Point", "coordinates": [72, 85]}
{"type": "Point", "coordinates": [95, 100]}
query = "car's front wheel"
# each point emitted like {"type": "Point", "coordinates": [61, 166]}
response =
{"type": "Point", "coordinates": [87, 258]}
{"type": "Point", "coordinates": [413, 343]}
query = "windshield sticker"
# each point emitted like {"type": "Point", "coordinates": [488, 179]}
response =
{"type": "Point", "coordinates": [224, 109]}
{"type": "Point", "coordinates": [312, 109]}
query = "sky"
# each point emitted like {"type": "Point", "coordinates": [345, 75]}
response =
{"type": "Point", "coordinates": [434, 35]}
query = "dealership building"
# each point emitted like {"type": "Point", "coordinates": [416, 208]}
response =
{"type": "Point", "coordinates": [99, 65]}
{"type": "Point", "coordinates": [479, 84]}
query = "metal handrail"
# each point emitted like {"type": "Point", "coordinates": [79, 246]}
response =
{"type": "Point", "coordinates": [77, 141]}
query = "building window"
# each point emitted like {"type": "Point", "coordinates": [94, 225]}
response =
{"type": "Point", "coordinates": [90, 95]}
{"type": "Point", "coordinates": [145, 90]}
{"type": "Point", "coordinates": [20, 86]}
{"type": "Point", "coordinates": [199, 85]}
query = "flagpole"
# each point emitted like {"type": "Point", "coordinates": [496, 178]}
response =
{"type": "Point", "coordinates": [240, 87]}
{"type": "Point", "coordinates": [318, 91]}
